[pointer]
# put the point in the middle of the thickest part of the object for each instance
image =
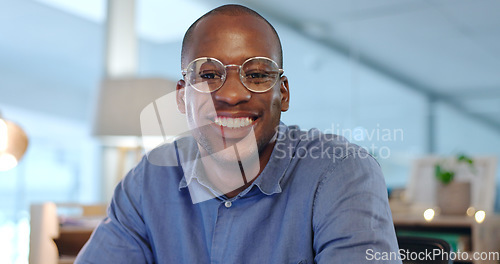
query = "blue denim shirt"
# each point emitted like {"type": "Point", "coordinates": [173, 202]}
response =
{"type": "Point", "coordinates": [319, 199]}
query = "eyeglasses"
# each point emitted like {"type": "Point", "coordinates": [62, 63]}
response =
{"type": "Point", "coordinates": [257, 74]}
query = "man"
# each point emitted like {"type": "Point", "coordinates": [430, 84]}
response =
{"type": "Point", "coordinates": [244, 188]}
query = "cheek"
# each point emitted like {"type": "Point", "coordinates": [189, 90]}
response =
{"type": "Point", "coordinates": [272, 106]}
{"type": "Point", "coordinates": [199, 104]}
{"type": "Point", "coordinates": [274, 101]}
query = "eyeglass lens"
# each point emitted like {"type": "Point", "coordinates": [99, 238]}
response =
{"type": "Point", "coordinates": [208, 75]}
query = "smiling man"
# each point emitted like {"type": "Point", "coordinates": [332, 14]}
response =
{"type": "Point", "coordinates": [238, 93]}
{"type": "Point", "coordinates": [246, 187]}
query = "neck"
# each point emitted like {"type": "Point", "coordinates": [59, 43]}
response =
{"type": "Point", "coordinates": [232, 177]}
{"type": "Point", "coordinates": [263, 160]}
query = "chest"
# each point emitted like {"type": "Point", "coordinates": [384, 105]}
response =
{"type": "Point", "coordinates": [255, 229]}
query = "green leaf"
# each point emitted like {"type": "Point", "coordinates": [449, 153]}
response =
{"type": "Point", "coordinates": [437, 171]}
{"type": "Point", "coordinates": [443, 175]}
{"type": "Point", "coordinates": [464, 158]}
{"type": "Point", "coordinates": [447, 177]}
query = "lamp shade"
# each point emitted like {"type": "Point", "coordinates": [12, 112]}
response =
{"type": "Point", "coordinates": [13, 144]}
{"type": "Point", "coordinates": [121, 102]}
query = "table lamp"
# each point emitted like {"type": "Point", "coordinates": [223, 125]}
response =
{"type": "Point", "coordinates": [13, 144]}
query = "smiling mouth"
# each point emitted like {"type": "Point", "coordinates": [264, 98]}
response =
{"type": "Point", "coordinates": [230, 122]}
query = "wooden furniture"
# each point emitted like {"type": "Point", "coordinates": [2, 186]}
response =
{"type": "Point", "coordinates": [473, 237]}
{"type": "Point", "coordinates": [422, 185]}
{"type": "Point", "coordinates": [56, 236]}
{"type": "Point", "coordinates": [466, 235]}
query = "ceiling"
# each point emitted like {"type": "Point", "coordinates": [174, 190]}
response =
{"type": "Point", "coordinates": [448, 50]}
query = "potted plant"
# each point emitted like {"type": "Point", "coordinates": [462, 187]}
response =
{"type": "Point", "coordinates": [453, 196]}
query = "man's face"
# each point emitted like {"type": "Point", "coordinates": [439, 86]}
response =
{"type": "Point", "coordinates": [212, 116]}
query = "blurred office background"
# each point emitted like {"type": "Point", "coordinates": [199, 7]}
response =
{"type": "Point", "coordinates": [407, 78]}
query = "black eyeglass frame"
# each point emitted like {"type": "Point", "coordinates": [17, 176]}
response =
{"type": "Point", "coordinates": [224, 77]}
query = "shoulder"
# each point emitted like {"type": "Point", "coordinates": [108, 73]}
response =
{"type": "Point", "coordinates": [320, 161]}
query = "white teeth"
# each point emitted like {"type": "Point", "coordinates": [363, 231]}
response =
{"type": "Point", "coordinates": [233, 122]}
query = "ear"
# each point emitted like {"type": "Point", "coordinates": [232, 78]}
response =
{"type": "Point", "coordinates": [180, 90]}
{"type": "Point", "coordinates": [285, 93]}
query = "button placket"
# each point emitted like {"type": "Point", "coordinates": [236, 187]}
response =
{"type": "Point", "coordinates": [222, 232]}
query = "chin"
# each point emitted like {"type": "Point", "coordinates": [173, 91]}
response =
{"type": "Point", "coordinates": [242, 149]}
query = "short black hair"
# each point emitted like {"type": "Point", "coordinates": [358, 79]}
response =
{"type": "Point", "coordinates": [229, 10]}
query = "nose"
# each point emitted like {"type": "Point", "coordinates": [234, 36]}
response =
{"type": "Point", "coordinates": [232, 91]}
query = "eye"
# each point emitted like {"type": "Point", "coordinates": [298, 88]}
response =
{"type": "Point", "coordinates": [209, 75]}
{"type": "Point", "coordinates": [257, 75]}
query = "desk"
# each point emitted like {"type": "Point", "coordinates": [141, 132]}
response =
{"type": "Point", "coordinates": [57, 240]}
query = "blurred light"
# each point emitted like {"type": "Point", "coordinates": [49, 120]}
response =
{"type": "Point", "coordinates": [480, 216]}
{"type": "Point", "coordinates": [429, 214]}
{"type": "Point", "coordinates": [3, 135]}
{"type": "Point", "coordinates": [7, 161]}
{"type": "Point", "coordinates": [470, 211]}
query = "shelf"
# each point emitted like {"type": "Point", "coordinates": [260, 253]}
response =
{"type": "Point", "coordinates": [464, 232]}
{"type": "Point", "coordinates": [440, 220]}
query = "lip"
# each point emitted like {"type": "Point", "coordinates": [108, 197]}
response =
{"type": "Point", "coordinates": [237, 114]}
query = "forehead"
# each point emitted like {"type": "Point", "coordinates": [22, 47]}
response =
{"type": "Point", "coordinates": [232, 39]}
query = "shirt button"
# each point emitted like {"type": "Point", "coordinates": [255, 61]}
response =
{"type": "Point", "coordinates": [228, 204]}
